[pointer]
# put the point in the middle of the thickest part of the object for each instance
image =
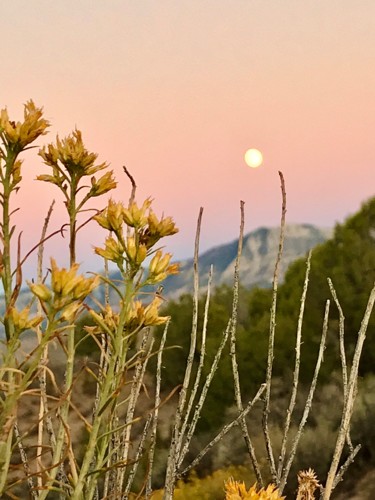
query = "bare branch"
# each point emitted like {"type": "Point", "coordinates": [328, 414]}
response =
{"type": "Point", "coordinates": [271, 341]}
{"type": "Point", "coordinates": [309, 400]}
{"type": "Point", "coordinates": [296, 370]}
{"type": "Point", "coordinates": [349, 401]}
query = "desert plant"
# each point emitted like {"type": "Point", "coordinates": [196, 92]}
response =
{"type": "Point", "coordinates": [119, 454]}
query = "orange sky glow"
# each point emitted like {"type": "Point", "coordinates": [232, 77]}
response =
{"type": "Point", "coordinates": [178, 91]}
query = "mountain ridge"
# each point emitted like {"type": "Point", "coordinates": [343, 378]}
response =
{"type": "Point", "coordinates": [259, 254]}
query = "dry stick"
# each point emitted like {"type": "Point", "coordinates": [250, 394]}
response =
{"type": "Point", "coordinates": [133, 398]}
{"type": "Point", "coordinates": [43, 387]}
{"type": "Point", "coordinates": [202, 398]}
{"type": "Point", "coordinates": [223, 431]}
{"type": "Point", "coordinates": [293, 396]}
{"type": "Point", "coordinates": [43, 409]}
{"type": "Point", "coordinates": [133, 191]}
{"type": "Point", "coordinates": [309, 401]}
{"type": "Point", "coordinates": [176, 441]}
{"type": "Point", "coordinates": [233, 340]}
{"type": "Point", "coordinates": [345, 465]}
{"type": "Point", "coordinates": [155, 416]}
{"type": "Point", "coordinates": [140, 450]}
{"type": "Point", "coordinates": [25, 462]}
{"type": "Point", "coordinates": [199, 370]}
{"type": "Point", "coordinates": [271, 341]}
{"type": "Point", "coordinates": [342, 349]}
{"type": "Point", "coordinates": [103, 365]}
{"type": "Point", "coordinates": [120, 444]}
{"type": "Point", "coordinates": [349, 402]}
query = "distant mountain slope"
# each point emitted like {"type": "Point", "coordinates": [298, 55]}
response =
{"type": "Point", "coordinates": [259, 254]}
{"type": "Point", "coordinates": [257, 264]}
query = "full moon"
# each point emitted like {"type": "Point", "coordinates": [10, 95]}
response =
{"type": "Point", "coordinates": [253, 158]}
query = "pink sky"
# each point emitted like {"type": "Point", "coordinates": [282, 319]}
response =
{"type": "Point", "coordinates": [178, 91]}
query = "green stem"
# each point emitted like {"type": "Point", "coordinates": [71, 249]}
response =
{"type": "Point", "coordinates": [86, 485]}
{"type": "Point", "coordinates": [6, 275]}
{"type": "Point", "coordinates": [69, 372]}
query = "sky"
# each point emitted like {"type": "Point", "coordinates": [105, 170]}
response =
{"type": "Point", "coordinates": [178, 90]}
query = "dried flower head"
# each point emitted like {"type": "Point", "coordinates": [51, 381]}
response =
{"type": "Point", "coordinates": [307, 484]}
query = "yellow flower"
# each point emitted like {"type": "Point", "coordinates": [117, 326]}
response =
{"type": "Point", "coordinates": [18, 135]}
{"type": "Point", "coordinates": [40, 291]}
{"type": "Point", "coordinates": [136, 253]}
{"type": "Point", "coordinates": [140, 316]}
{"type": "Point", "coordinates": [160, 267]}
{"type": "Point", "coordinates": [103, 184]}
{"type": "Point", "coordinates": [135, 316]}
{"type": "Point", "coordinates": [136, 217]}
{"type": "Point", "coordinates": [106, 321]}
{"type": "Point", "coordinates": [21, 321]}
{"type": "Point", "coordinates": [111, 217]}
{"type": "Point", "coordinates": [66, 284]}
{"type": "Point", "coordinates": [113, 250]}
{"type": "Point", "coordinates": [236, 490]}
{"type": "Point", "coordinates": [70, 312]}
{"type": "Point", "coordinates": [16, 172]}
{"type": "Point", "coordinates": [164, 227]}
{"type": "Point", "coordinates": [157, 229]}
{"type": "Point", "coordinates": [151, 314]}
{"type": "Point", "coordinates": [73, 155]}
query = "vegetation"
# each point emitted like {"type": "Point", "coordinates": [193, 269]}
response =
{"type": "Point", "coordinates": [164, 405]}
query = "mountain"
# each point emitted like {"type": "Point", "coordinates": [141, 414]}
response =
{"type": "Point", "coordinates": [258, 259]}
{"type": "Point", "coordinates": [259, 254]}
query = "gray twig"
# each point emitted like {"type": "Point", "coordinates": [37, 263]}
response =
{"type": "Point", "coordinates": [271, 341]}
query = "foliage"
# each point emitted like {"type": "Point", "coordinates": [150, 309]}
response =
{"type": "Point", "coordinates": [210, 487]}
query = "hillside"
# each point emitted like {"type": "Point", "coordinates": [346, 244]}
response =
{"type": "Point", "coordinates": [258, 258]}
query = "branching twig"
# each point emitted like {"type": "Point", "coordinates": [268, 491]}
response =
{"type": "Point", "coordinates": [342, 350]}
{"type": "Point", "coordinates": [349, 401]}
{"type": "Point", "coordinates": [223, 432]}
{"type": "Point", "coordinates": [309, 401]}
{"type": "Point", "coordinates": [202, 398]}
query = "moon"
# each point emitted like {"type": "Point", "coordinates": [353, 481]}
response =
{"type": "Point", "coordinates": [253, 158]}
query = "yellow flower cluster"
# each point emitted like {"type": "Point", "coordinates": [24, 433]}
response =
{"type": "Point", "coordinates": [139, 316]}
{"type": "Point", "coordinates": [18, 135]}
{"type": "Point", "coordinates": [70, 155]}
{"type": "Point", "coordinates": [147, 230]}
{"type": "Point", "coordinates": [68, 290]}
{"type": "Point", "coordinates": [21, 320]}
{"type": "Point", "coordinates": [160, 268]}
{"type": "Point", "coordinates": [236, 490]}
